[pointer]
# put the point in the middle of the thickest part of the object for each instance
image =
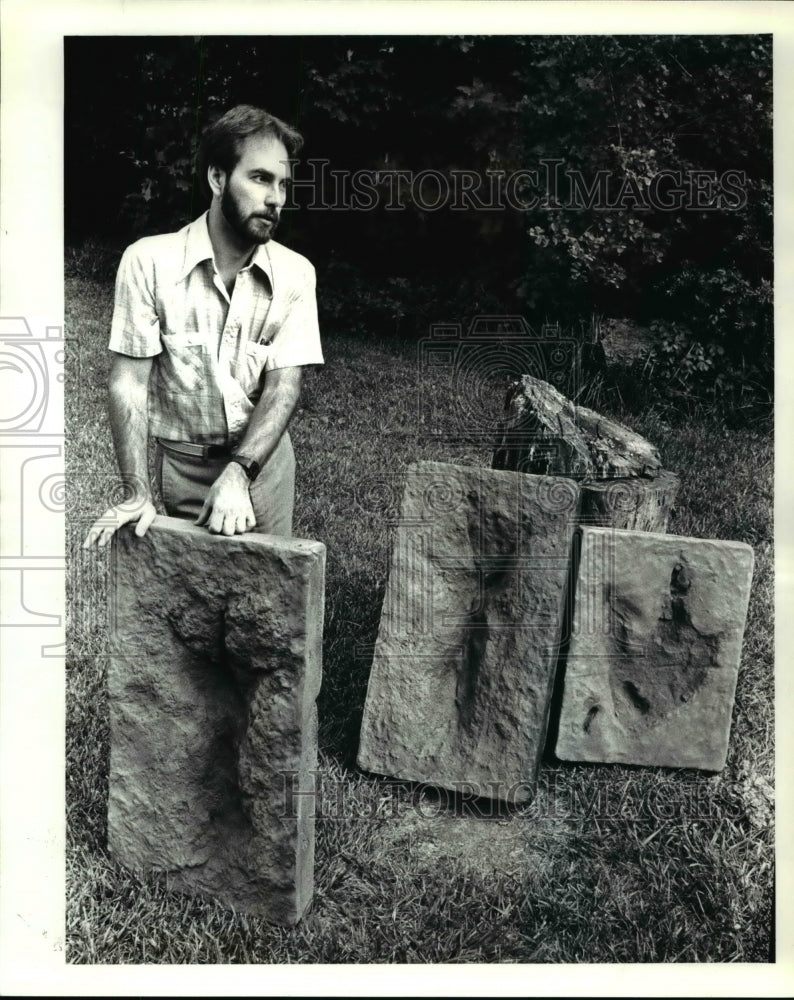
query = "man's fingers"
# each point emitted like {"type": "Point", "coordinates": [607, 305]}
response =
{"type": "Point", "coordinates": [91, 537]}
{"type": "Point", "coordinates": [205, 512]}
{"type": "Point", "coordinates": [215, 522]}
{"type": "Point", "coordinates": [223, 524]}
{"type": "Point", "coordinates": [109, 520]}
{"type": "Point", "coordinates": [103, 529]}
{"type": "Point", "coordinates": [107, 533]}
{"type": "Point", "coordinates": [244, 521]}
{"type": "Point", "coordinates": [230, 523]}
{"type": "Point", "coordinates": [144, 521]}
{"type": "Point", "coordinates": [227, 509]}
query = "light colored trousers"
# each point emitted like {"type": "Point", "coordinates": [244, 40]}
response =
{"type": "Point", "coordinates": [185, 480]}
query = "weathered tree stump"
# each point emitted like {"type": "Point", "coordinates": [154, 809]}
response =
{"type": "Point", "coordinates": [633, 504]}
{"type": "Point", "coordinates": [624, 343]}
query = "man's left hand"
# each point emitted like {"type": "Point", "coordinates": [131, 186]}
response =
{"type": "Point", "coordinates": [227, 509]}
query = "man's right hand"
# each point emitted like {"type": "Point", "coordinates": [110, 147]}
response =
{"type": "Point", "coordinates": [136, 509]}
{"type": "Point", "coordinates": [128, 395]}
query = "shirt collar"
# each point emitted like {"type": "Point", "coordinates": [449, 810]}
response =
{"type": "Point", "coordinates": [198, 248]}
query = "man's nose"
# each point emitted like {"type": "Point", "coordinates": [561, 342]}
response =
{"type": "Point", "coordinates": [275, 196]}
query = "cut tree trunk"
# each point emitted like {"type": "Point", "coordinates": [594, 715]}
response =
{"type": "Point", "coordinates": [624, 343]}
{"type": "Point", "coordinates": [633, 504]}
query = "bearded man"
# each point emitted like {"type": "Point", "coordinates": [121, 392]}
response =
{"type": "Point", "coordinates": [211, 328]}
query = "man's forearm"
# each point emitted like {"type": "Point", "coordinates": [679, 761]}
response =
{"type": "Point", "coordinates": [228, 509]}
{"type": "Point", "coordinates": [271, 415]}
{"type": "Point", "coordinates": [129, 425]}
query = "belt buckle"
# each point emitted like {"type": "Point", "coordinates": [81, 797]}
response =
{"type": "Point", "coordinates": [215, 450]}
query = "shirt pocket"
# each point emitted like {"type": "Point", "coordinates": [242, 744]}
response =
{"type": "Point", "coordinates": [185, 364]}
{"type": "Point", "coordinates": [254, 363]}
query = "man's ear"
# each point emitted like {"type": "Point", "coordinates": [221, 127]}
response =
{"type": "Point", "coordinates": [216, 178]}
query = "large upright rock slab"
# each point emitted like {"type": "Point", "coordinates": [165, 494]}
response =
{"type": "Point", "coordinates": [654, 650]}
{"type": "Point", "coordinates": [464, 663]}
{"type": "Point", "coordinates": [213, 677]}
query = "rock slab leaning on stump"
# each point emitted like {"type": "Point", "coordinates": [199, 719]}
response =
{"type": "Point", "coordinates": [464, 662]}
{"type": "Point", "coordinates": [545, 433]}
{"type": "Point", "coordinates": [213, 676]}
{"type": "Point", "coordinates": [654, 651]}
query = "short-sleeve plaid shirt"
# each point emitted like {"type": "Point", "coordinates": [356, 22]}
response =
{"type": "Point", "coordinates": [211, 350]}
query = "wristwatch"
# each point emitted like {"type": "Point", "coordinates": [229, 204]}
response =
{"type": "Point", "coordinates": [250, 465]}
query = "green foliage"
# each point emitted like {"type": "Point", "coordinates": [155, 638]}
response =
{"type": "Point", "coordinates": [681, 353]}
{"type": "Point", "coordinates": [723, 353]}
{"type": "Point", "coordinates": [380, 307]}
{"type": "Point", "coordinates": [682, 366]}
{"type": "Point", "coordinates": [350, 303]}
{"type": "Point", "coordinates": [93, 260]}
{"type": "Point", "coordinates": [640, 109]}
{"type": "Point", "coordinates": [725, 307]}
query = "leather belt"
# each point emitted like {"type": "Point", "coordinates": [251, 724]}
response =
{"type": "Point", "coordinates": [203, 451]}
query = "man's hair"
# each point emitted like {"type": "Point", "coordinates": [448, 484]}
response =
{"type": "Point", "coordinates": [221, 141]}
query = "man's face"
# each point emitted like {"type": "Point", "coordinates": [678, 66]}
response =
{"type": "Point", "coordinates": [255, 191]}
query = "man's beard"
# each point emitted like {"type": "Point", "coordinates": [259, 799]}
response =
{"type": "Point", "coordinates": [250, 229]}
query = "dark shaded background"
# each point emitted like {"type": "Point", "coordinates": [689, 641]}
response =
{"type": "Point", "coordinates": [634, 105]}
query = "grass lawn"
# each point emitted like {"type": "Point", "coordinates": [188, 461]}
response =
{"type": "Point", "coordinates": [609, 864]}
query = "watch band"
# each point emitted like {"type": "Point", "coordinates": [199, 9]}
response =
{"type": "Point", "coordinates": [251, 466]}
